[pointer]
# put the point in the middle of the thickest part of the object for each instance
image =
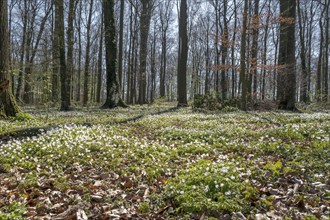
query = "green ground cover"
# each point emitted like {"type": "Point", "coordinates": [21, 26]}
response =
{"type": "Point", "coordinates": [165, 163]}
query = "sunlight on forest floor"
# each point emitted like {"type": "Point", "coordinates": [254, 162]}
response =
{"type": "Point", "coordinates": [160, 162]}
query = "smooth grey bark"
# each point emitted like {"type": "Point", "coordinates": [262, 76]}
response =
{"type": "Point", "coordinates": [87, 55]}
{"type": "Point", "coordinates": [182, 56]}
{"type": "Point", "coordinates": [243, 78]}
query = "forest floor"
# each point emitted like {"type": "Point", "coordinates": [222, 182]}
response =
{"type": "Point", "coordinates": [160, 162]}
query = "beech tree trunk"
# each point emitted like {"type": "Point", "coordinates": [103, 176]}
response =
{"type": "Point", "coordinates": [254, 52]}
{"type": "Point", "coordinates": [144, 33]}
{"type": "Point", "coordinates": [121, 39]}
{"type": "Point", "coordinates": [224, 50]}
{"type": "Point", "coordinates": [183, 55]}
{"type": "Point", "coordinates": [70, 42]}
{"type": "Point", "coordinates": [59, 32]}
{"type": "Point", "coordinates": [8, 106]}
{"type": "Point", "coordinates": [243, 78]}
{"type": "Point", "coordinates": [286, 79]}
{"type": "Point", "coordinates": [304, 75]}
{"type": "Point", "coordinates": [87, 56]}
{"type": "Point", "coordinates": [113, 98]}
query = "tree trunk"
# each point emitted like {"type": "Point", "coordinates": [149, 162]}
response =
{"type": "Point", "coordinates": [23, 46]}
{"type": "Point", "coordinates": [207, 58]}
{"type": "Point", "coordinates": [326, 53]}
{"type": "Point", "coordinates": [304, 77]}
{"type": "Point", "coordinates": [144, 32]}
{"type": "Point", "coordinates": [8, 106]}
{"type": "Point", "coordinates": [217, 52]}
{"type": "Point", "coordinates": [233, 69]}
{"type": "Point", "coordinates": [78, 94]}
{"type": "Point", "coordinates": [121, 39]}
{"type": "Point", "coordinates": [87, 56]}
{"type": "Point", "coordinates": [59, 31]}
{"type": "Point", "coordinates": [164, 19]}
{"type": "Point", "coordinates": [70, 42]}
{"type": "Point", "coordinates": [225, 44]}
{"type": "Point", "coordinates": [286, 81]}
{"type": "Point", "coordinates": [264, 55]}
{"type": "Point", "coordinates": [55, 61]}
{"type": "Point", "coordinates": [99, 66]}
{"type": "Point", "coordinates": [112, 87]}
{"type": "Point", "coordinates": [153, 66]}
{"type": "Point", "coordinates": [243, 59]}
{"type": "Point", "coordinates": [182, 55]}
{"type": "Point", "coordinates": [254, 52]}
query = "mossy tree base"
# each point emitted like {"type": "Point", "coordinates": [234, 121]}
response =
{"type": "Point", "coordinates": [8, 105]}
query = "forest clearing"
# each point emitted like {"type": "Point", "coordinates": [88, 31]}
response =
{"type": "Point", "coordinates": [159, 162]}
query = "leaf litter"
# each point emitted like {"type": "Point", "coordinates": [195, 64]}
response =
{"type": "Point", "coordinates": [174, 165]}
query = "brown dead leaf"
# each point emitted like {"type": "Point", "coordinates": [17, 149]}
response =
{"type": "Point", "coordinates": [161, 210]}
{"type": "Point", "coordinates": [136, 198]}
{"type": "Point", "coordinates": [128, 184]}
{"type": "Point", "coordinates": [31, 212]}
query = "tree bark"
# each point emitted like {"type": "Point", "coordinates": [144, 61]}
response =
{"type": "Point", "coordinates": [70, 43]}
{"type": "Point", "coordinates": [224, 50]}
{"type": "Point", "coordinates": [144, 33]}
{"type": "Point", "coordinates": [182, 56]}
{"type": "Point", "coordinates": [326, 52]}
{"type": "Point", "coordinates": [121, 39]}
{"type": "Point", "coordinates": [264, 55]}
{"type": "Point", "coordinates": [99, 66]}
{"type": "Point", "coordinates": [112, 87]}
{"type": "Point", "coordinates": [233, 68]}
{"type": "Point", "coordinates": [59, 31]}
{"type": "Point", "coordinates": [254, 52]}
{"type": "Point", "coordinates": [304, 77]}
{"type": "Point", "coordinates": [8, 106]}
{"type": "Point", "coordinates": [78, 94]}
{"type": "Point", "coordinates": [286, 81]}
{"type": "Point", "coordinates": [87, 56]}
{"type": "Point", "coordinates": [243, 59]}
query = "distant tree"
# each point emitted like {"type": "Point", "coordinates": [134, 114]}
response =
{"type": "Point", "coordinates": [254, 52]}
{"type": "Point", "coordinates": [121, 42]}
{"type": "Point", "coordinates": [113, 98]}
{"type": "Point", "coordinates": [145, 17]}
{"type": "Point", "coordinates": [79, 36]}
{"type": "Point", "coordinates": [8, 106]}
{"type": "Point", "coordinates": [87, 56]}
{"type": "Point", "coordinates": [70, 44]}
{"type": "Point", "coordinates": [242, 75]}
{"type": "Point", "coordinates": [165, 13]}
{"type": "Point", "coordinates": [304, 70]}
{"type": "Point", "coordinates": [224, 51]}
{"type": "Point", "coordinates": [326, 51]}
{"type": "Point", "coordinates": [264, 54]}
{"type": "Point", "coordinates": [59, 32]}
{"type": "Point", "coordinates": [233, 41]}
{"type": "Point", "coordinates": [286, 80]}
{"type": "Point", "coordinates": [182, 55]}
{"type": "Point", "coordinates": [99, 65]}
{"type": "Point", "coordinates": [319, 92]}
